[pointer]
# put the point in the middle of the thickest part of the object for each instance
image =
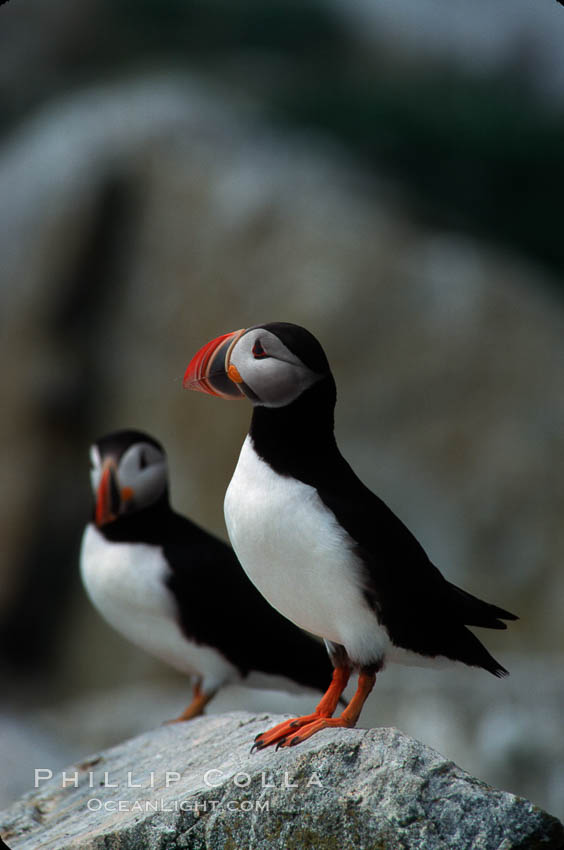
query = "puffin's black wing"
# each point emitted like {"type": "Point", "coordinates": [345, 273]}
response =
{"type": "Point", "coordinates": [422, 611]}
{"type": "Point", "coordinates": [219, 606]}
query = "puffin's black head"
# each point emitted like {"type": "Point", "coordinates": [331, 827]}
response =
{"type": "Point", "coordinates": [271, 364]}
{"type": "Point", "coordinates": [128, 473]}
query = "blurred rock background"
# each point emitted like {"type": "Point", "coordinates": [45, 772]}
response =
{"type": "Point", "coordinates": [390, 176]}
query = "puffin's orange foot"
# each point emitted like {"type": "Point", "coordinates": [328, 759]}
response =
{"type": "Point", "coordinates": [292, 732]}
{"type": "Point", "coordinates": [279, 732]}
{"type": "Point", "coordinates": [309, 729]}
{"type": "Point", "coordinates": [187, 714]}
{"type": "Point", "coordinates": [196, 707]}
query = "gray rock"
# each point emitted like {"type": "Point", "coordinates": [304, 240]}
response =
{"type": "Point", "coordinates": [198, 786]}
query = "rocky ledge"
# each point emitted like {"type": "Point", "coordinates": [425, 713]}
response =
{"type": "Point", "coordinates": [197, 785]}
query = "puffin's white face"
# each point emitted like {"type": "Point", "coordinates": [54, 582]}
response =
{"type": "Point", "coordinates": [258, 363]}
{"type": "Point", "coordinates": [270, 373]}
{"type": "Point", "coordinates": [135, 481]}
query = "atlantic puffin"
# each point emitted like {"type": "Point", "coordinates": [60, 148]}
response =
{"type": "Point", "coordinates": [179, 592]}
{"type": "Point", "coordinates": [323, 549]}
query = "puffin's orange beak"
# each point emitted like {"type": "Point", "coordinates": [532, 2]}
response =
{"type": "Point", "coordinates": [108, 496]}
{"type": "Point", "coordinates": [209, 371]}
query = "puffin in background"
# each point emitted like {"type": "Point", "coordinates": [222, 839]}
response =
{"type": "Point", "coordinates": [177, 591]}
{"type": "Point", "coordinates": [323, 549]}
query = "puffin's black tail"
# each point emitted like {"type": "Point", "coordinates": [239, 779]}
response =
{"type": "Point", "coordinates": [464, 646]}
{"type": "Point", "coordinates": [475, 612]}
{"type": "Point", "coordinates": [468, 610]}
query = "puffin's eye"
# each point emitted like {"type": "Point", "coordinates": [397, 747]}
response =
{"type": "Point", "coordinates": [142, 461]}
{"type": "Point", "coordinates": [258, 350]}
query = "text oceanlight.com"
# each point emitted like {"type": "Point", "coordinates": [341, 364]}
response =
{"type": "Point", "coordinates": [196, 806]}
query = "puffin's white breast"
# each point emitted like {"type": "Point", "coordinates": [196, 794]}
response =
{"type": "Point", "coordinates": [299, 557]}
{"type": "Point", "coordinates": [126, 582]}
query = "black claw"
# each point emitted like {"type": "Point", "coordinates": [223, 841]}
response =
{"type": "Point", "coordinates": [295, 741]}
{"type": "Point", "coordinates": [280, 743]}
{"type": "Point", "coordinates": [293, 724]}
{"type": "Point", "coordinates": [260, 734]}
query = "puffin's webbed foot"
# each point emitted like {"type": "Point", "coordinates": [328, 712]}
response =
{"type": "Point", "coordinates": [292, 732]}
{"type": "Point", "coordinates": [279, 733]}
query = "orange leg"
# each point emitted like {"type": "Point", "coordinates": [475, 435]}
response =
{"type": "Point", "coordinates": [196, 707]}
{"type": "Point", "coordinates": [290, 733]}
{"type": "Point", "coordinates": [279, 734]}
